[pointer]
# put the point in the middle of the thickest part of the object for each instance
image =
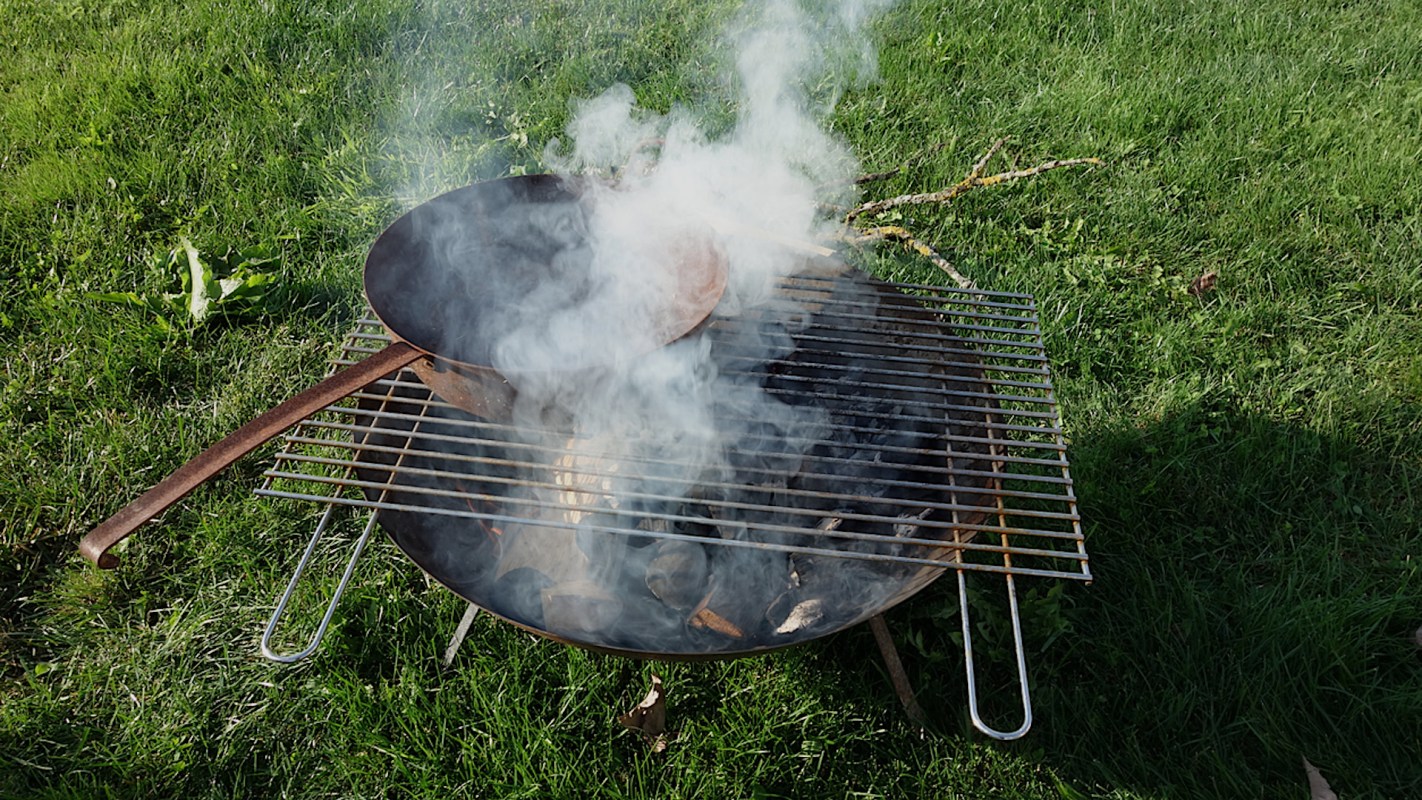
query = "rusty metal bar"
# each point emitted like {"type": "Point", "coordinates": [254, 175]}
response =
{"type": "Point", "coordinates": [897, 676]}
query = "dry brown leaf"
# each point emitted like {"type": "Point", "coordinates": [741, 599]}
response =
{"type": "Point", "coordinates": [1318, 788]}
{"type": "Point", "coordinates": [649, 717]}
{"type": "Point", "coordinates": [1204, 283]}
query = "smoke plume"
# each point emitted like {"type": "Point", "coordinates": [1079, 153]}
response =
{"type": "Point", "coordinates": [762, 179]}
{"type": "Point", "coordinates": [670, 193]}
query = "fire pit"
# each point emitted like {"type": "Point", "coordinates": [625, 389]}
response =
{"type": "Point", "coordinates": [929, 442]}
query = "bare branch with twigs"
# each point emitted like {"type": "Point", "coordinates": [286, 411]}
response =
{"type": "Point", "coordinates": [974, 179]}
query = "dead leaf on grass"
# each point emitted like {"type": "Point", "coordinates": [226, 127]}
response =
{"type": "Point", "coordinates": [1204, 283]}
{"type": "Point", "coordinates": [1318, 788]}
{"type": "Point", "coordinates": [649, 717]}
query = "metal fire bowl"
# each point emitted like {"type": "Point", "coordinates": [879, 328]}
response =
{"type": "Point", "coordinates": [461, 553]}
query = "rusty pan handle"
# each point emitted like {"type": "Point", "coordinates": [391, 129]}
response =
{"type": "Point", "coordinates": [244, 440]}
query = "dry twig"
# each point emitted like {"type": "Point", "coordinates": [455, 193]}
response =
{"type": "Point", "coordinates": [903, 235]}
{"type": "Point", "coordinates": [874, 177]}
{"type": "Point", "coordinates": [977, 170]}
{"type": "Point", "coordinates": [913, 161]}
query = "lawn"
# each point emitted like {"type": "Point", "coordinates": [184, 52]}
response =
{"type": "Point", "coordinates": [1248, 459]}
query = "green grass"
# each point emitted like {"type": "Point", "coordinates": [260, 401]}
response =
{"type": "Point", "coordinates": [1249, 464]}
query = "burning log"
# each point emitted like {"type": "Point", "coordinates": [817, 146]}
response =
{"type": "Point", "coordinates": [553, 552]}
{"type": "Point", "coordinates": [557, 551]}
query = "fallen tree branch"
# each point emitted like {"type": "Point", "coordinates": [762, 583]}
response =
{"type": "Point", "coordinates": [913, 161]}
{"type": "Point", "coordinates": [973, 180]}
{"type": "Point", "coordinates": [874, 177]}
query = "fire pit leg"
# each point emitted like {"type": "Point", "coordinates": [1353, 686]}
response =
{"type": "Point", "coordinates": [459, 633]}
{"type": "Point", "coordinates": [897, 676]}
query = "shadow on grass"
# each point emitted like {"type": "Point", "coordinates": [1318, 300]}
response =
{"type": "Point", "coordinates": [333, 303]}
{"type": "Point", "coordinates": [1255, 600]}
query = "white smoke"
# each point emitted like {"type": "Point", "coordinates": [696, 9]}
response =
{"type": "Point", "coordinates": [666, 188]}
{"type": "Point", "coordinates": [763, 180]}
{"type": "Point", "coordinates": [739, 195]}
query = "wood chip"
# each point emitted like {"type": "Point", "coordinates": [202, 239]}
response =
{"type": "Point", "coordinates": [708, 619]}
{"type": "Point", "coordinates": [909, 523]}
{"type": "Point", "coordinates": [803, 615]}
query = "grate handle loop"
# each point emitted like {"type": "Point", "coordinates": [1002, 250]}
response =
{"type": "Point", "coordinates": [275, 621]}
{"type": "Point", "coordinates": [972, 674]}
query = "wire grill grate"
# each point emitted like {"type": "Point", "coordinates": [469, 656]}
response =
{"type": "Point", "coordinates": [985, 487]}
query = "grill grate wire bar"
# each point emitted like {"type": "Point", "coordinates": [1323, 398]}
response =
{"type": "Point", "coordinates": [1020, 474]}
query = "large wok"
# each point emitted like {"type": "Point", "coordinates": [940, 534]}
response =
{"type": "Point", "coordinates": [443, 279]}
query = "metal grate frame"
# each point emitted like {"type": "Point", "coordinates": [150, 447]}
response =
{"type": "Point", "coordinates": [1006, 507]}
